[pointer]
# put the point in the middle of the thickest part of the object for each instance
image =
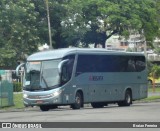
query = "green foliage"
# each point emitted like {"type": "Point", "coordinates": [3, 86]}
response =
{"type": "Point", "coordinates": [18, 31]}
{"type": "Point", "coordinates": [23, 23]}
{"type": "Point", "coordinates": [17, 87]}
{"type": "Point", "coordinates": [18, 102]}
{"type": "Point", "coordinates": [104, 18]}
{"type": "Point", "coordinates": [155, 71]}
{"type": "Point", "coordinates": [151, 98]}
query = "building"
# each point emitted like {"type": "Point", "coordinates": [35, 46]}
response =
{"type": "Point", "coordinates": [133, 43]}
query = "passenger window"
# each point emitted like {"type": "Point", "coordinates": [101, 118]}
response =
{"type": "Point", "coordinates": [109, 63]}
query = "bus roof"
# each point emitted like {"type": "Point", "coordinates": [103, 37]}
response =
{"type": "Point", "coordinates": [60, 53]}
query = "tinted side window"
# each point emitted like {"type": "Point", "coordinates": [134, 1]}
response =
{"type": "Point", "coordinates": [140, 63]}
{"type": "Point", "coordinates": [110, 63]}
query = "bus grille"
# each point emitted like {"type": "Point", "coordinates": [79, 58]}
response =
{"type": "Point", "coordinates": [39, 96]}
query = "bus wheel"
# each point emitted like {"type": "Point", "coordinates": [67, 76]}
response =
{"type": "Point", "coordinates": [44, 108]}
{"type": "Point", "coordinates": [78, 101]}
{"type": "Point", "coordinates": [97, 105]}
{"type": "Point", "coordinates": [128, 99]}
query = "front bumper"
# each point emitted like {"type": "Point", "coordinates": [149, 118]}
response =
{"type": "Point", "coordinates": [47, 101]}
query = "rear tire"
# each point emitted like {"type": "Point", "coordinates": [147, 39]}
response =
{"type": "Point", "coordinates": [44, 107]}
{"type": "Point", "coordinates": [128, 99]}
{"type": "Point", "coordinates": [78, 101]}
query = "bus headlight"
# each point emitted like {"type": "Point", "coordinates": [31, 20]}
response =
{"type": "Point", "coordinates": [56, 93]}
{"type": "Point", "coordinates": [25, 95]}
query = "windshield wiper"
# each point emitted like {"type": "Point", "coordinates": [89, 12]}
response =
{"type": "Point", "coordinates": [45, 81]}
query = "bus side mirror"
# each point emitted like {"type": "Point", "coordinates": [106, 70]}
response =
{"type": "Point", "coordinates": [64, 74]}
{"type": "Point", "coordinates": [18, 68]}
{"type": "Point", "coordinates": [61, 65]}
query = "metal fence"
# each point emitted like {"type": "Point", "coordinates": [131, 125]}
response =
{"type": "Point", "coordinates": [6, 88]}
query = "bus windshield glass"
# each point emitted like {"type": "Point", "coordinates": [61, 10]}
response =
{"type": "Point", "coordinates": [41, 75]}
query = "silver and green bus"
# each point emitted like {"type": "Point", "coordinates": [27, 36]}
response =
{"type": "Point", "coordinates": [74, 77]}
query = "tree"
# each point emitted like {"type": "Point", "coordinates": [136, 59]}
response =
{"type": "Point", "coordinates": [58, 12]}
{"type": "Point", "coordinates": [23, 26]}
{"type": "Point", "coordinates": [72, 24]}
{"type": "Point", "coordinates": [23, 23]}
{"type": "Point", "coordinates": [108, 17]}
{"type": "Point", "coordinates": [18, 31]}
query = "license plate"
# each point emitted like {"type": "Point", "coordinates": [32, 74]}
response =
{"type": "Point", "coordinates": [39, 102]}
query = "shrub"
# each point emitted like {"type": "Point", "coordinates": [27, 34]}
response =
{"type": "Point", "coordinates": [17, 87]}
{"type": "Point", "coordinates": [155, 71]}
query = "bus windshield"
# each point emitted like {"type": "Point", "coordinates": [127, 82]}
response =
{"type": "Point", "coordinates": [41, 75]}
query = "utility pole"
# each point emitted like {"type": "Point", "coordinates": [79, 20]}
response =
{"type": "Point", "coordinates": [49, 25]}
{"type": "Point", "coordinates": [145, 44]}
{"type": "Point", "coordinates": [145, 48]}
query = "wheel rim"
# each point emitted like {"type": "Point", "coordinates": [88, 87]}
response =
{"type": "Point", "coordinates": [128, 98]}
{"type": "Point", "coordinates": [78, 101]}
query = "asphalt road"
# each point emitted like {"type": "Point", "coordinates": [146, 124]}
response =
{"type": "Point", "coordinates": [138, 112]}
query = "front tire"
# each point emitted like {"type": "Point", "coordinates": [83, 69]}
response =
{"type": "Point", "coordinates": [78, 101]}
{"type": "Point", "coordinates": [128, 99]}
{"type": "Point", "coordinates": [44, 108]}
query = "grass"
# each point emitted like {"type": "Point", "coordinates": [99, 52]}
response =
{"type": "Point", "coordinates": [157, 89]}
{"type": "Point", "coordinates": [151, 98]}
{"type": "Point", "coordinates": [18, 102]}
{"type": "Point", "coordinates": [3, 101]}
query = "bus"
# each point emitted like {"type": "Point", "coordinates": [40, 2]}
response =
{"type": "Point", "coordinates": [77, 76]}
